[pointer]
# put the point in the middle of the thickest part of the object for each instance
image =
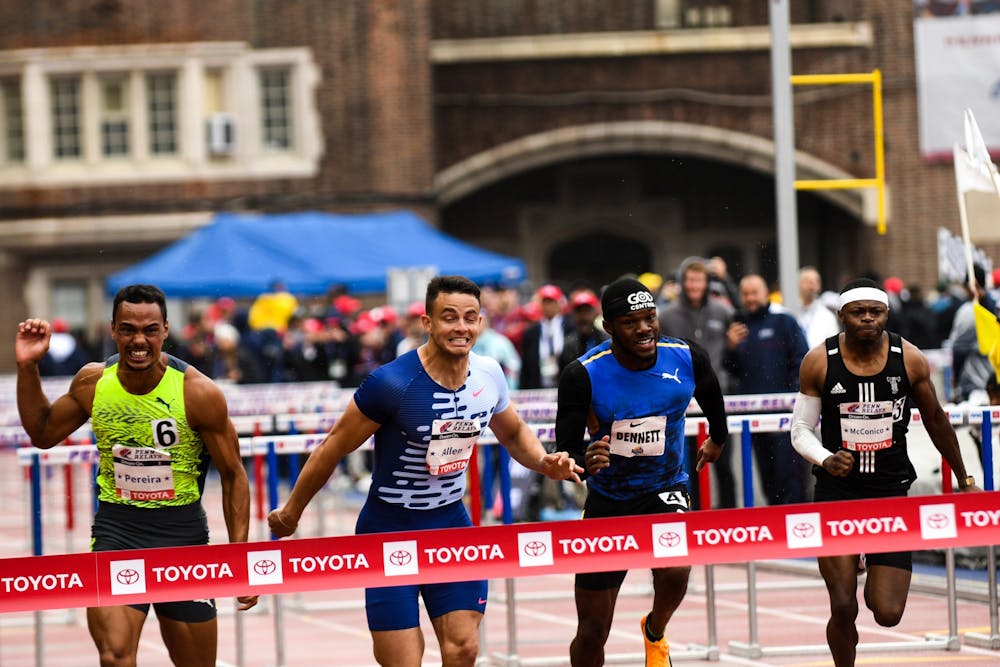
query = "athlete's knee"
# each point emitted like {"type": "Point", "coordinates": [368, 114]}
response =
{"type": "Point", "coordinates": [116, 656]}
{"type": "Point", "coordinates": [844, 608]}
{"type": "Point", "coordinates": [460, 652]}
{"type": "Point", "coordinates": [889, 614]}
{"type": "Point", "coordinates": [593, 631]}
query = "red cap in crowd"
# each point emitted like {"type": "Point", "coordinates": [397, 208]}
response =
{"type": "Point", "coordinates": [893, 285]}
{"type": "Point", "coordinates": [416, 309]}
{"type": "Point", "coordinates": [550, 292]}
{"type": "Point", "coordinates": [347, 305]}
{"type": "Point", "coordinates": [585, 298]}
{"type": "Point", "coordinates": [59, 325]}
{"type": "Point", "coordinates": [384, 315]}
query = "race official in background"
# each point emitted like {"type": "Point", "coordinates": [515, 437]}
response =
{"type": "Point", "coordinates": [631, 393]}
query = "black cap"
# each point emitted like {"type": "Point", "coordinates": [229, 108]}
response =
{"type": "Point", "coordinates": [624, 296]}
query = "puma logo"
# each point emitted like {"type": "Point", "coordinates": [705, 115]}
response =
{"type": "Point", "coordinates": [160, 400]}
{"type": "Point", "coordinates": [674, 377]}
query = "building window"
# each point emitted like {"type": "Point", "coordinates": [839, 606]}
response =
{"type": "Point", "coordinates": [11, 122]}
{"type": "Point", "coordinates": [161, 96]}
{"type": "Point", "coordinates": [276, 109]}
{"type": "Point", "coordinates": [66, 142]}
{"type": "Point", "coordinates": [144, 106]}
{"type": "Point", "coordinates": [114, 118]}
{"type": "Point", "coordinates": [69, 301]}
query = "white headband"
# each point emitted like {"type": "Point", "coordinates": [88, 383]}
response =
{"type": "Point", "coordinates": [864, 294]}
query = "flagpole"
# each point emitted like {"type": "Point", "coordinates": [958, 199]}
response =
{"type": "Point", "coordinates": [963, 217]}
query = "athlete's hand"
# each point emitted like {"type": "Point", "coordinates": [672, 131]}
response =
{"type": "Point", "coordinates": [709, 452]}
{"type": "Point", "coordinates": [840, 464]}
{"type": "Point", "coordinates": [281, 524]}
{"type": "Point", "coordinates": [32, 341]}
{"type": "Point", "coordinates": [560, 465]}
{"type": "Point", "coordinates": [598, 455]}
{"type": "Point", "coordinates": [246, 602]}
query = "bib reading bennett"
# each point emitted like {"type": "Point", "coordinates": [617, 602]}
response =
{"type": "Point", "coordinates": [149, 455]}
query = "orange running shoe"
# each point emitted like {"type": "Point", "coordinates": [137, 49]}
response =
{"type": "Point", "coordinates": [657, 653]}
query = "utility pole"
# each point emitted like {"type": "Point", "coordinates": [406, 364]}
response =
{"type": "Point", "coordinates": [784, 155]}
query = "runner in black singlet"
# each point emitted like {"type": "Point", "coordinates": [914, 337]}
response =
{"type": "Point", "coordinates": [863, 383]}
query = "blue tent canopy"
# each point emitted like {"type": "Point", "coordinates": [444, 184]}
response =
{"type": "Point", "coordinates": [241, 255]}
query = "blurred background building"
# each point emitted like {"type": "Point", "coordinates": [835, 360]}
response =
{"type": "Point", "coordinates": [589, 138]}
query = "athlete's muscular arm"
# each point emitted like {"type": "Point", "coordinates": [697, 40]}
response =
{"type": "Point", "coordinates": [347, 434]}
{"type": "Point", "coordinates": [932, 414]}
{"type": "Point", "coordinates": [572, 409]}
{"type": "Point", "coordinates": [48, 424]}
{"type": "Point", "coordinates": [208, 414]}
{"type": "Point", "coordinates": [708, 393]}
{"type": "Point", "coordinates": [806, 414]}
{"type": "Point", "coordinates": [522, 444]}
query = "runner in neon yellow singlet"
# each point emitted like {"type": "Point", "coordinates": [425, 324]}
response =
{"type": "Point", "coordinates": [150, 455]}
{"type": "Point", "coordinates": [157, 422]}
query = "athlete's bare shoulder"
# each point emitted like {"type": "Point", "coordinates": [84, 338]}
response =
{"type": "Point", "coordinates": [84, 383]}
{"type": "Point", "coordinates": [204, 401]}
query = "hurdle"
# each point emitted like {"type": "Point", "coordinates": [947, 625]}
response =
{"type": "Point", "coordinates": [992, 640]}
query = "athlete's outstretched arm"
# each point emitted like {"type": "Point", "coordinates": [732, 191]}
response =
{"type": "Point", "coordinates": [525, 447]}
{"type": "Point", "coordinates": [208, 414]}
{"type": "Point", "coordinates": [48, 424]}
{"type": "Point", "coordinates": [348, 433]}
{"type": "Point", "coordinates": [708, 393]}
{"type": "Point", "coordinates": [932, 415]}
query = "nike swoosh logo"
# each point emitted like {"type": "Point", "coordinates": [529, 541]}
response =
{"type": "Point", "coordinates": [482, 601]}
{"type": "Point", "coordinates": [476, 394]}
{"type": "Point", "coordinates": [634, 424]}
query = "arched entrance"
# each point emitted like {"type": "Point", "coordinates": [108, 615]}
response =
{"type": "Point", "coordinates": [597, 258]}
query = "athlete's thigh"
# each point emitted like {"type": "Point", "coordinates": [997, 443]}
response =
{"type": "Point", "coordinates": [887, 588]}
{"type": "Point", "coordinates": [391, 608]}
{"type": "Point", "coordinates": [193, 644]}
{"type": "Point", "coordinates": [115, 630]}
{"type": "Point", "coordinates": [441, 599]}
{"type": "Point", "coordinates": [398, 647]}
{"type": "Point", "coordinates": [841, 576]}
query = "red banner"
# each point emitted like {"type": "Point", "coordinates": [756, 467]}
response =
{"type": "Point", "coordinates": [521, 550]}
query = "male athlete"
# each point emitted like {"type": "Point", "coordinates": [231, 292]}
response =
{"type": "Point", "coordinates": [440, 394]}
{"type": "Point", "coordinates": [862, 383]}
{"type": "Point", "coordinates": [631, 393]}
{"type": "Point", "coordinates": [157, 422]}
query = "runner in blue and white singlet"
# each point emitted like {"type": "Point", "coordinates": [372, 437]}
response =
{"type": "Point", "coordinates": [426, 426]}
{"type": "Point", "coordinates": [425, 411]}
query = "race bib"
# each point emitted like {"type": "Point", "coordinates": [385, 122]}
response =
{"type": "Point", "coordinates": [643, 436]}
{"type": "Point", "coordinates": [142, 473]}
{"type": "Point", "coordinates": [866, 427]}
{"type": "Point", "coordinates": [451, 446]}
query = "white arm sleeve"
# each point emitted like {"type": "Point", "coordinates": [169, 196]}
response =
{"type": "Point", "coordinates": [805, 416]}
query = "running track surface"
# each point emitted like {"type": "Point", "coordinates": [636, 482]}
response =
{"type": "Point", "coordinates": [792, 610]}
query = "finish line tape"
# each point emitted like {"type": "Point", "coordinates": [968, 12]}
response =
{"type": "Point", "coordinates": [492, 552]}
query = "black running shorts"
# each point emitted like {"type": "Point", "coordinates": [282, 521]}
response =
{"type": "Point", "coordinates": [675, 499]}
{"type": "Point", "coordinates": [120, 527]}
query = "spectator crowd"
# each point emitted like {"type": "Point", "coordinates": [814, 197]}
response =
{"type": "Point", "coordinates": [754, 343]}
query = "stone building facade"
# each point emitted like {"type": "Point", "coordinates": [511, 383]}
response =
{"type": "Point", "coordinates": [589, 138]}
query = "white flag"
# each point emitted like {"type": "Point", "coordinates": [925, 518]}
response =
{"type": "Point", "coordinates": [978, 185]}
